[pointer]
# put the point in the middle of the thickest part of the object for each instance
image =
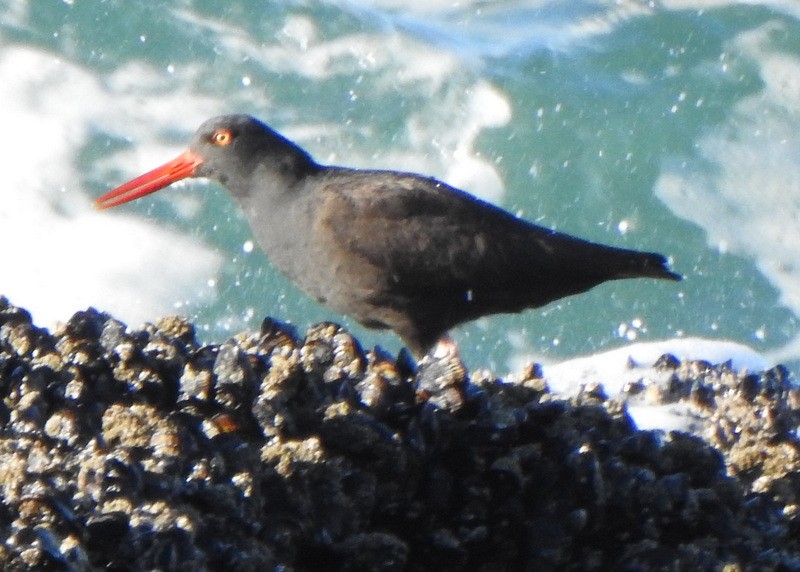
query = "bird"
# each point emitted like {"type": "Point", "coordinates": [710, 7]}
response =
{"type": "Point", "coordinates": [393, 250]}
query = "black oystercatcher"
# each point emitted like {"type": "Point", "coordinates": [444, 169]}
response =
{"type": "Point", "coordinates": [393, 250]}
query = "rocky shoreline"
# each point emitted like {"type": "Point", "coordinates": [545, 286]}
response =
{"type": "Point", "coordinates": [143, 449]}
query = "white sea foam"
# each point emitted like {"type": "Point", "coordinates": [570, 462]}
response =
{"type": "Point", "coordinates": [629, 364]}
{"type": "Point", "coordinates": [745, 164]}
{"type": "Point", "coordinates": [619, 366]}
{"type": "Point", "coordinates": [633, 363]}
{"type": "Point", "coordinates": [59, 255]}
{"type": "Point", "coordinates": [479, 28]}
{"type": "Point", "coordinates": [790, 7]}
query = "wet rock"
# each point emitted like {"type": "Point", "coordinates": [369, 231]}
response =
{"type": "Point", "coordinates": [372, 551]}
{"type": "Point", "coordinates": [441, 378]}
{"type": "Point", "coordinates": [144, 448]}
{"type": "Point", "coordinates": [236, 383]}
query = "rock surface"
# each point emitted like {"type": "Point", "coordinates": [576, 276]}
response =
{"type": "Point", "coordinates": [143, 449]}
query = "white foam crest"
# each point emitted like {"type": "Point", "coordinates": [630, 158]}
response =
{"type": "Point", "coordinates": [669, 417]}
{"type": "Point", "coordinates": [790, 7]}
{"type": "Point", "coordinates": [301, 50]}
{"type": "Point", "coordinates": [617, 10]}
{"type": "Point", "coordinates": [479, 28]}
{"type": "Point", "coordinates": [442, 137]}
{"type": "Point", "coordinates": [615, 368]}
{"type": "Point", "coordinates": [59, 254]}
{"type": "Point", "coordinates": [487, 107]}
{"type": "Point", "coordinates": [142, 102]}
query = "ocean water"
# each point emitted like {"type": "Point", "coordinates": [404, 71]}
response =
{"type": "Point", "coordinates": [671, 126]}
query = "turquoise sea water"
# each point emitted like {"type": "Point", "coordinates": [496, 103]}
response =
{"type": "Point", "coordinates": [669, 126]}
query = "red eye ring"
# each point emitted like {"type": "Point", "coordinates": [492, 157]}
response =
{"type": "Point", "coordinates": [222, 137]}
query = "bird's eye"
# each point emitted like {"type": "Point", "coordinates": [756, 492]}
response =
{"type": "Point", "coordinates": [222, 137]}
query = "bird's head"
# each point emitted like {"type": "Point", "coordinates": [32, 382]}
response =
{"type": "Point", "coordinates": [230, 149]}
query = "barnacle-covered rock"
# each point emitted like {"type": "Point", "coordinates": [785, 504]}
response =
{"type": "Point", "coordinates": [144, 449]}
{"type": "Point", "coordinates": [441, 377]}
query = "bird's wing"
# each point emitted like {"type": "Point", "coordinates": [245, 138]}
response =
{"type": "Point", "coordinates": [431, 237]}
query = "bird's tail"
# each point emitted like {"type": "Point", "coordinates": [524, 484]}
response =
{"type": "Point", "coordinates": [632, 264]}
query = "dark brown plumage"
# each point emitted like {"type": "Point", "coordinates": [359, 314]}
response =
{"type": "Point", "coordinates": [393, 250]}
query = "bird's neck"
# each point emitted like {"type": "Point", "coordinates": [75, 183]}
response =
{"type": "Point", "coordinates": [280, 216]}
{"type": "Point", "coordinates": [282, 176]}
{"type": "Point", "coordinates": [274, 195]}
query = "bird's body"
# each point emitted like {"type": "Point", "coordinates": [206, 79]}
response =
{"type": "Point", "coordinates": [393, 250]}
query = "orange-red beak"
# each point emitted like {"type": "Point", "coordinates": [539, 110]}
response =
{"type": "Point", "coordinates": [179, 168]}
